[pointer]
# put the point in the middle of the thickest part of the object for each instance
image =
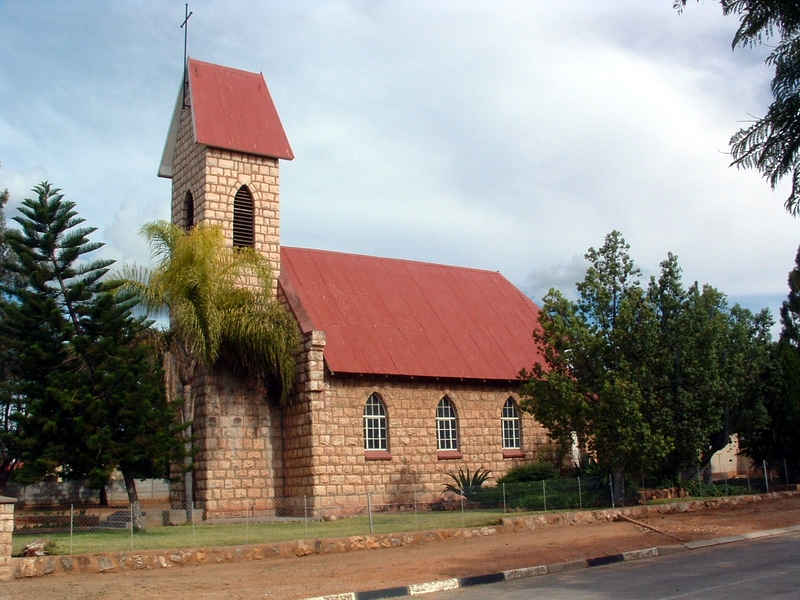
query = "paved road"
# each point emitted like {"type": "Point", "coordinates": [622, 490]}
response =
{"type": "Point", "coordinates": [767, 568]}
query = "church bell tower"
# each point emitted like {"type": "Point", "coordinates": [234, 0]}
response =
{"type": "Point", "coordinates": [222, 153]}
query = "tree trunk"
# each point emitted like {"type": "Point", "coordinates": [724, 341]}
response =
{"type": "Point", "coordinates": [618, 486]}
{"type": "Point", "coordinates": [5, 473]}
{"type": "Point", "coordinates": [133, 498]}
{"type": "Point", "coordinates": [188, 478]}
{"type": "Point", "coordinates": [104, 495]}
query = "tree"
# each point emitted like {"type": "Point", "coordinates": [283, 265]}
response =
{"type": "Point", "coordinates": [651, 382]}
{"type": "Point", "coordinates": [88, 383]}
{"type": "Point", "coordinates": [790, 309]}
{"type": "Point", "coordinates": [9, 405]}
{"type": "Point", "coordinates": [771, 144]}
{"type": "Point", "coordinates": [214, 317]}
{"type": "Point", "coordinates": [771, 418]}
{"type": "Point", "coordinates": [588, 383]}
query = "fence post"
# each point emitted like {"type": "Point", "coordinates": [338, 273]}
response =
{"type": "Point", "coordinates": [416, 517]}
{"type": "Point", "coordinates": [764, 468]}
{"type": "Point", "coordinates": [785, 471]}
{"type": "Point", "coordinates": [71, 521]}
{"type": "Point", "coordinates": [611, 489]}
{"type": "Point", "coordinates": [305, 514]}
{"type": "Point", "coordinates": [580, 498]}
{"type": "Point", "coordinates": [369, 509]}
{"type": "Point", "coordinates": [194, 529]}
{"type": "Point", "coordinates": [463, 521]}
{"type": "Point", "coordinates": [544, 495]}
{"type": "Point", "coordinates": [504, 497]}
{"type": "Point", "coordinates": [131, 507]}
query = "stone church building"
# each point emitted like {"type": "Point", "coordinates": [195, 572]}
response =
{"type": "Point", "coordinates": [408, 370]}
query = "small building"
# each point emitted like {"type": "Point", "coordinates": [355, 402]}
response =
{"type": "Point", "coordinates": [408, 369]}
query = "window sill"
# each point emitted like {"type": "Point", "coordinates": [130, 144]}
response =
{"type": "Point", "coordinates": [448, 454]}
{"type": "Point", "coordinates": [513, 453]}
{"type": "Point", "coordinates": [377, 455]}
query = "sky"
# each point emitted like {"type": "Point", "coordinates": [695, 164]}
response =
{"type": "Point", "coordinates": [508, 136]}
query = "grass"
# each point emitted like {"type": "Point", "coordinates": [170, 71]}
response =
{"type": "Point", "coordinates": [186, 536]}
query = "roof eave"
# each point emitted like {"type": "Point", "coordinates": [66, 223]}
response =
{"type": "Point", "coordinates": [168, 155]}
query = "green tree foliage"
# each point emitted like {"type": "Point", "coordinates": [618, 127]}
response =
{"type": "Point", "coordinates": [86, 372]}
{"type": "Point", "coordinates": [771, 143]}
{"type": "Point", "coordinates": [771, 420]}
{"type": "Point", "coordinates": [790, 309]}
{"type": "Point", "coordinates": [9, 405]}
{"type": "Point", "coordinates": [650, 381]}
{"type": "Point", "coordinates": [215, 318]}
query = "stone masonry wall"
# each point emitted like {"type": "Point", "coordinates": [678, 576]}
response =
{"type": "Point", "coordinates": [6, 531]}
{"type": "Point", "coordinates": [298, 424]}
{"type": "Point", "coordinates": [343, 473]}
{"type": "Point", "coordinates": [188, 171]}
{"type": "Point", "coordinates": [239, 462]}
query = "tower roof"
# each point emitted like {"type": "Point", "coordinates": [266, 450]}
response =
{"type": "Point", "coordinates": [407, 318]}
{"type": "Point", "coordinates": [231, 109]}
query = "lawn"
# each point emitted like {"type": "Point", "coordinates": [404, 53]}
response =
{"type": "Point", "coordinates": [187, 536]}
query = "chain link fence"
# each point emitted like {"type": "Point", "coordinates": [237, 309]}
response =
{"type": "Point", "coordinates": [76, 529]}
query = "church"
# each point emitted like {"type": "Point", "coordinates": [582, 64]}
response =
{"type": "Point", "coordinates": [407, 371]}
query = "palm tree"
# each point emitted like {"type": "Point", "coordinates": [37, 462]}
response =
{"type": "Point", "coordinates": [221, 307]}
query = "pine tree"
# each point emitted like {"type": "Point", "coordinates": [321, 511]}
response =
{"type": "Point", "coordinates": [89, 380]}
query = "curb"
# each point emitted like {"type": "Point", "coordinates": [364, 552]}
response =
{"type": "Point", "coordinates": [418, 589]}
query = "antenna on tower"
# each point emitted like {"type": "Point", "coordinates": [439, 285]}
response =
{"type": "Point", "coordinates": [185, 27]}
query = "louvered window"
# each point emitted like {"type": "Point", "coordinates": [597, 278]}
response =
{"type": "Point", "coordinates": [188, 210]}
{"type": "Point", "coordinates": [243, 218]}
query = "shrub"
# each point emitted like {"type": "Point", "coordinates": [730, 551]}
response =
{"type": "Point", "coordinates": [534, 471]}
{"type": "Point", "coordinates": [465, 483]}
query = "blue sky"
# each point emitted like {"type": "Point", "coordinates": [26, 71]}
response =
{"type": "Point", "coordinates": [508, 135]}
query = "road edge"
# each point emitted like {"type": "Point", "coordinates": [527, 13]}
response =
{"type": "Point", "coordinates": [418, 589]}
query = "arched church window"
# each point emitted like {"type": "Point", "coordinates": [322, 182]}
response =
{"type": "Point", "coordinates": [446, 425]}
{"type": "Point", "coordinates": [375, 430]}
{"type": "Point", "coordinates": [243, 219]}
{"type": "Point", "coordinates": [512, 430]}
{"type": "Point", "coordinates": [188, 210]}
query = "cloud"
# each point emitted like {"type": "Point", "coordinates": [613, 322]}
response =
{"type": "Point", "coordinates": [509, 137]}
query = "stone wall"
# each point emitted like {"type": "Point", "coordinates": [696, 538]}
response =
{"type": "Point", "coordinates": [188, 171]}
{"type": "Point", "coordinates": [299, 420]}
{"type": "Point", "coordinates": [6, 531]}
{"type": "Point", "coordinates": [239, 447]}
{"type": "Point", "coordinates": [412, 469]}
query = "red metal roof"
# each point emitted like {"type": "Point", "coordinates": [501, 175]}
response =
{"type": "Point", "coordinates": [401, 317]}
{"type": "Point", "coordinates": [233, 110]}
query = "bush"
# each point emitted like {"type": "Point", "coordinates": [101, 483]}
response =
{"type": "Point", "coordinates": [534, 471]}
{"type": "Point", "coordinates": [465, 483]}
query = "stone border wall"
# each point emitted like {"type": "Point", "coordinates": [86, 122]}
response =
{"type": "Point", "coordinates": [6, 533]}
{"type": "Point", "coordinates": [164, 559]}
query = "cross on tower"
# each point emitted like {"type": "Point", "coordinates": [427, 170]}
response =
{"type": "Point", "coordinates": [185, 27]}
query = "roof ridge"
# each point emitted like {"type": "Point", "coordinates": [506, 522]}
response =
{"type": "Point", "coordinates": [225, 67]}
{"type": "Point", "coordinates": [394, 259]}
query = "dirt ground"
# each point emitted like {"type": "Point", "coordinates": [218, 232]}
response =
{"type": "Point", "coordinates": [292, 578]}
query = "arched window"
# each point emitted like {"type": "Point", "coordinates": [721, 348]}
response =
{"type": "Point", "coordinates": [243, 219]}
{"type": "Point", "coordinates": [375, 431]}
{"type": "Point", "coordinates": [446, 425]}
{"type": "Point", "coordinates": [188, 210]}
{"type": "Point", "coordinates": [512, 430]}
